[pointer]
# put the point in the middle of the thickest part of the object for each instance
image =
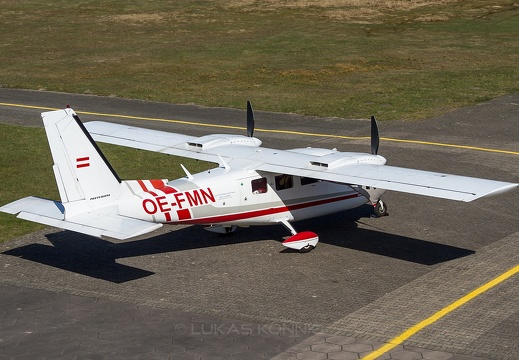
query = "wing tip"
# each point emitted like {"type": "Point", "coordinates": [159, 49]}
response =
{"type": "Point", "coordinates": [497, 191]}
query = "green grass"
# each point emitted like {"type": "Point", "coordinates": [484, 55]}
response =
{"type": "Point", "coordinates": [344, 58]}
{"type": "Point", "coordinates": [26, 166]}
{"type": "Point", "coordinates": [350, 58]}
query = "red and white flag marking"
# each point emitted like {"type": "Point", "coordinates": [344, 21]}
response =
{"type": "Point", "coordinates": [82, 162]}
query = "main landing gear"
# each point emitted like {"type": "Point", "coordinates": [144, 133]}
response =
{"type": "Point", "coordinates": [380, 208]}
{"type": "Point", "coordinates": [222, 230]}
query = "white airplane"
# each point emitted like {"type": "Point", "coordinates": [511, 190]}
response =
{"type": "Point", "coordinates": [252, 185]}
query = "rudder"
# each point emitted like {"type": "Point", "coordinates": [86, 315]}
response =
{"type": "Point", "coordinates": [84, 177]}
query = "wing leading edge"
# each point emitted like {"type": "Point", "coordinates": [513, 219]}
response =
{"type": "Point", "coordinates": [446, 186]}
{"type": "Point", "coordinates": [348, 168]}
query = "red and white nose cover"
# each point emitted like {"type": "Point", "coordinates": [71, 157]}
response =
{"type": "Point", "coordinates": [302, 239]}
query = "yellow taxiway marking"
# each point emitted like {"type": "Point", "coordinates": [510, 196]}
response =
{"type": "Point", "coordinates": [194, 123]}
{"type": "Point", "coordinates": [28, 106]}
{"type": "Point", "coordinates": [440, 314]}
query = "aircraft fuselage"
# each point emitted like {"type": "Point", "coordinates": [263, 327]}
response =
{"type": "Point", "coordinates": [237, 197]}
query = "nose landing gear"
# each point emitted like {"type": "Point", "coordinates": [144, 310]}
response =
{"type": "Point", "coordinates": [303, 242]}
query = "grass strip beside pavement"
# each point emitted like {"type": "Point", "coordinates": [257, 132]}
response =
{"type": "Point", "coordinates": [26, 165]}
{"type": "Point", "coordinates": [348, 58]}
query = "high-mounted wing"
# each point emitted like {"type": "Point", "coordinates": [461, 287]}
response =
{"type": "Point", "coordinates": [446, 186]}
{"type": "Point", "coordinates": [144, 139]}
{"type": "Point", "coordinates": [200, 148]}
{"type": "Point", "coordinates": [344, 167]}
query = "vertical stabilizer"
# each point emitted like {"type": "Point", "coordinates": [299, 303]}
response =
{"type": "Point", "coordinates": [84, 177]}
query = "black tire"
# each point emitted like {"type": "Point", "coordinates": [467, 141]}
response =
{"type": "Point", "coordinates": [306, 249]}
{"type": "Point", "coordinates": [380, 209]}
{"type": "Point", "coordinates": [229, 230]}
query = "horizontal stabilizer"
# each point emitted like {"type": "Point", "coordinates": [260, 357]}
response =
{"type": "Point", "coordinates": [112, 225]}
{"type": "Point", "coordinates": [99, 223]}
{"type": "Point", "coordinates": [36, 205]}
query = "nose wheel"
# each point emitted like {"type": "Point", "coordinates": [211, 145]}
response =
{"type": "Point", "coordinates": [306, 248]}
{"type": "Point", "coordinates": [303, 242]}
{"type": "Point", "coordinates": [380, 208]}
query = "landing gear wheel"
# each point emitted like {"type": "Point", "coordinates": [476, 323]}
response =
{"type": "Point", "coordinates": [306, 249]}
{"type": "Point", "coordinates": [227, 230]}
{"type": "Point", "coordinates": [380, 209]}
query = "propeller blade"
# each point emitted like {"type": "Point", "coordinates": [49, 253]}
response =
{"type": "Point", "coordinates": [375, 140]}
{"type": "Point", "coordinates": [250, 120]}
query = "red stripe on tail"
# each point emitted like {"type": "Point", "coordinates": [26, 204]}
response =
{"type": "Point", "coordinates": [82, 162]}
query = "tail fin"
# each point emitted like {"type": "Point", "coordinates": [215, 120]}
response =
{"type": "Point", "coordinates": [88, 186]}
{"type": "Point", "coordinates": [84, 177]}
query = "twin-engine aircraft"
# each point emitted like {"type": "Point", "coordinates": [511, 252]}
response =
{"type": "Point", "coordinates": [252, 185]}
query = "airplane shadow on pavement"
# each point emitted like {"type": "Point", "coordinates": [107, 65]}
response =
{"type": "Point", "coordinates": [96, 257]}
{"type": "Point", "coordinates": [378, 242]}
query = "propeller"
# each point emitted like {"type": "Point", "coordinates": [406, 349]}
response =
{"type": "Point", "coordinates": [250, 120]}
{"type": "Point", "coordinates": [375, 140]}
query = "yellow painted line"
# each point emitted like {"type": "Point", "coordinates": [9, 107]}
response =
{"type": "Point", "coordinates": [419, 142]}
{"type": "Point", "coordinates": [27, 106]}
{"type": "Point", "coordinates": [440, 314]}
{"type": "Point", "coordinates": [466, 147]}
{"type": "Point", "coordinates": [161, 120]}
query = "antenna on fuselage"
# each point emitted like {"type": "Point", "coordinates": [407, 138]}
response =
{"type": "Point", "coordinates": [188, 174]}
{"type": "Point", "coordinates": [375, 140]}
{"type": "Point", "coordinates": [250, 120]}
{"type": "Point", "coordinates": [223, 163]}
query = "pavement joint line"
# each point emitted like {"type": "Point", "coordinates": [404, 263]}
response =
{"type": "Point", "coordinates": [398, 340]}
{"type": "Point", "coordinates": [408, 141]}
{"type": "Point", "coordinates": [441, 333]}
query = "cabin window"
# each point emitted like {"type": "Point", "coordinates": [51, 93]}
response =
{"type": "Point", "coordinates": [259, 186]}
{"type": "Point", "coordinates": [307, 180]}
{"type": "Point", "coordinates": [284, 182]}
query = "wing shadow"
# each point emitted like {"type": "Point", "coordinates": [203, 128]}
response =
{"type": "Point", "coordinates": [94, 257]}
{"type": "Point", "coordinates": [341, 229]}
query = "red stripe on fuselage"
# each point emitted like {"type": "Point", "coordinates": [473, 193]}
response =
{"type": "Point", "coordinates": [184, 214]}
{"type": "Point", "coordinates": [167, 190]}
{"type": "Point", "coordinates": [143, 186]}
{"type": "Point", "coordinates": [267, 211]}
{"type": "Point", "coordinates": [157, 184]}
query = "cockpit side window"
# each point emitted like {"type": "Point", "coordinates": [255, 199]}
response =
{"type": "Point", "coordinates": [284, 182]}
{"type": "Point", "coordinates": [259, 186]}
{"type": "Point", "coordinates": [307, 180]}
